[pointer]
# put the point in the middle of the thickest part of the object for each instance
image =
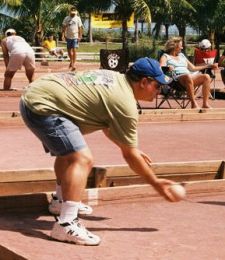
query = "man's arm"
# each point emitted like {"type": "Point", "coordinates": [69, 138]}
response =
{"type": "Point", "coordinates": [63, 32]}
{"type": "Point", "coordinates": [80, 32]}
{"type": "Point", "coordinates": [139, 162]}
{"type": "Point", "coordinates": [5, 52]}
{"type": "Point", "coordinates": [64, 25]}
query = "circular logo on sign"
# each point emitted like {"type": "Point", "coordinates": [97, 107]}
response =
{"type": "Point", "coordinates": [113, 60]}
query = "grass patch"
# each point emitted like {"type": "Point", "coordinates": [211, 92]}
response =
{"type": "Point", "coordinates": [95, 47]}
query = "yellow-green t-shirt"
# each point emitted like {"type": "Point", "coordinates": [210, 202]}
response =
{"type": "Point", "coordinates": [93, 100]}
{"type": "Point", "coordinates": [49, 44]}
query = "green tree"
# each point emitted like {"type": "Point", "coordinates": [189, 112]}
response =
{"type": "Point", "coordinates": [96, 6]}
{"type": "Point", "coordinates": [211, 22]}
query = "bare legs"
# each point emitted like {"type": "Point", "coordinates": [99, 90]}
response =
{"type": "Point", "coordinates": [8, 79]}
{"type": "Point", "coordinates": [72, 172]}
{"type": "Point", "coordinates": [192, 81]}
{"type": "Point", "coordinates": [72, 55]}
{"type": "Point", "coordinates": [10, 74]}
{"type": "Point", "coordinates": [30, 74]}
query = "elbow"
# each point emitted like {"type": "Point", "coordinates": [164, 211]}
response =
{"type": "Point", "coordinates": [129, 158]}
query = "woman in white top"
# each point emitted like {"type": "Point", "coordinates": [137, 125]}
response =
{"type": "Point", "coordinates": [186, 71]}
{"type": "Point", "coordinates": [16, 53]}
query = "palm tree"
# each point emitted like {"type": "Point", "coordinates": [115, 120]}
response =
{"type": "Point", "coordinates": [84, 6]}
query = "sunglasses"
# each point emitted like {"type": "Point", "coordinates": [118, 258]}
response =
{"type": "Point", "coordinates": [156, 83]}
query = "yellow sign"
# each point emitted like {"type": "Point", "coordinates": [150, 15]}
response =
{"type": "Point", "coordinates": [109, 20]}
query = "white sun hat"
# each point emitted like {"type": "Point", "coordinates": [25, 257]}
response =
{"type": "Point", "coordinates": [11, 31]}
{"type": "Point", "coordinates": [205, 44]}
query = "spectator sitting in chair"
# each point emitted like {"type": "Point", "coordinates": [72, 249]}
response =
{"type": "Point", "coordinates": [50, 45]}
{"type": "Point", "coordinates": [183, 68]}
{"type": "Point", "coordinates": [204, 54]}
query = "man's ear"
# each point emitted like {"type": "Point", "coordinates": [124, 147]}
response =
{"type": "Point", "coordinates": [143, 82]}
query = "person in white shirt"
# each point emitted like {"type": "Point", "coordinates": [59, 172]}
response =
{"type": "Point", "coordinates": [16, 53]}
{"type": "Point", "coordinates": [72, 29]}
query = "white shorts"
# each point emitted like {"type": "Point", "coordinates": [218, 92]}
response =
{"type": "Point", "coordinates": [16, 61]}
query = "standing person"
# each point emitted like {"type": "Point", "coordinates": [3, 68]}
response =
{"type": "Point", "coordinates": [16, 53]}
{"type": "Point", "coordinates": [60, 108]}
{"type": "Point", "coordinates": [72, 29]}
{"type": "Point", "coordinates": [183, 68]}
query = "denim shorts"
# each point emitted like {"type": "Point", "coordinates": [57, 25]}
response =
{"type": "Point", "coordinates": [58, 134]}
{"type": "Point", "coordinates": [72, 43]}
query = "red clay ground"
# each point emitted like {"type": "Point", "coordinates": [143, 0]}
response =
{"type": "Point", "coordinates": [177, 141]}
{"type": "Point", "coordinates": [136, 230]}
{"type": "Point", "coordinates": [146, 229]}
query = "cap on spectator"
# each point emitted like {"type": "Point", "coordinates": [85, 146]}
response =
{"type": "Point", "coordinates": [150, 68]}
{"type": "Point", "coordinates": [73, 10]}
{"type": "Point", "coordinates": [205, 44]}
{"type": "Point", "coordinates": [10, 32]}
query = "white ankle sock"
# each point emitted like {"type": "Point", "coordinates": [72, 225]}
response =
{"type": "Point", "coordinates": [59, 192]}
{"type": "Point", "coordinates": [69, 211]}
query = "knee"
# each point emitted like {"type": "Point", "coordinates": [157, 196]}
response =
{"type": "Point", "coordinates": [206, 77]}
{"type": "Point", "coordinates": [186, 80]}
{"type": "Point", "coordinates": [9, 74]}
{"type": "Point", "coordinates": [87, 160]}
{"type": "Point", "coordinates": [84, 159]}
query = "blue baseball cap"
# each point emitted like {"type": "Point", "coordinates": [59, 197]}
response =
{"type": "Point", "coordinates": [149, 67]}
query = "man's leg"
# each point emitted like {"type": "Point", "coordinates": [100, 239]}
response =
{"type": "Point", "coordinates": [55, 205]}
{"type": "Point", "coordinates": [73, 174]}
{"type": "Point", "coordinates": [69, 50]}
{"type": "Point", "coordinates": [8, 79]}
{"type": "Point", "coordinates": [30, 74]}
{"type": "Point", "coordinates": [74, 55]}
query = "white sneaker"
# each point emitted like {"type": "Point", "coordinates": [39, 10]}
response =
{"type": "Point", "coordinates": [55, 207]}
{"type": "Point", "coordinates": [74, 232]}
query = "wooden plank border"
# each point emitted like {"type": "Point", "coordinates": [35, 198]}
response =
{"type": "Point", "coordinates": [17, 182]}
{"type": "Point", "coordinates": [102, 196]}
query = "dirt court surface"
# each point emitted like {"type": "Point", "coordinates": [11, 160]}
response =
{"type": "Point", "coordinates": [164, 142]}
{"type": "Point", "coordinates": [144, 229]}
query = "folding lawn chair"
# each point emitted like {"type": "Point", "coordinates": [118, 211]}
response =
{"type": "Point", "coordinates": [202, 57]}
{"type": "Point", "coordinates": [172, 92]}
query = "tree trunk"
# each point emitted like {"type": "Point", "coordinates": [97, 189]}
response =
{"type": "Point", "coordinates": [90, 35]}
{"type": "Point", "coordinates": [136, 32]}
{"type": "Point", "coordinates": [212, 38]}
{"type": "Point", "coordinates": [182, 33]}
{"type": "Point", "coordinates": [124, 33]}
{"type": "Point", "coordinates": [167, 30]}
{"type": "Point", "coordinates": [217, 45]}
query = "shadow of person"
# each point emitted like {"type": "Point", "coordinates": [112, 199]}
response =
{"type": "Point", "coordinates": [215, 203]}
{"type": "Point", "coordinates": [125, 229]}
{"type": "Point", "coordinates": [28, 224]}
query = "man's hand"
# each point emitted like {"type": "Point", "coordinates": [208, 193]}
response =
{"type": "Point", "coordinates": [162, 186]}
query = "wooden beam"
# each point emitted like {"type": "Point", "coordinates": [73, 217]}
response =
{"type": "Point", "coordinates": [39, 180]}
{"type": "Point", "coordinates": [101, 196]}
{"type": "Point", "coordinates": [221, 171]}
